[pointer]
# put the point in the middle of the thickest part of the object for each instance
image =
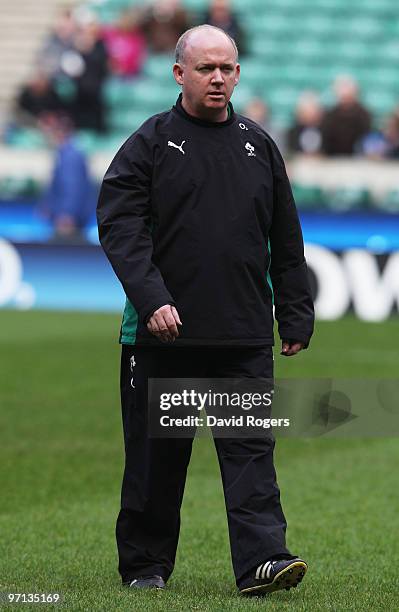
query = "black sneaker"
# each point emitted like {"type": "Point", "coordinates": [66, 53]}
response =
{"type": "Point", "coordinates": [146, 582]}
{"type": "Point", "coordinates": [273, 576]}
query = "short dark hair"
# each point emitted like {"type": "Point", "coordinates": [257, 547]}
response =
{"type": "Point", "coordinates": [182, 42]}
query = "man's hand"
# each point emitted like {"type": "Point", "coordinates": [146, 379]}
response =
{"type": "Point", "coordinates": [163, 323]}
{"type": "Point", "coordinates": [291, 347]}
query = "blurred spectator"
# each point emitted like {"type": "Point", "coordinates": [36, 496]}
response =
{"type": "Point", "coordinates": [258, 111]}
{"type": "Point", "coordinates": [220, 14]}
{"type": "Point", "coordinates": [304, 136]}
{"type": "Point", "coordinates": [89, 73]}
{"type": "Point", "coordinates": [346, 124]}
{"type": "Point", "coordinates": [37, 98]}
{"type": "Point", "coordinates": [126, 45]}
{"type": "Point", "coordinates": [164, 22]}
{"type": "Point", "coordinates": [70, 199]}
{"type": "Point", "coordinates": [391, 134]}
{"type": "Point", "coordinates": [385, 143]}
{"type": "Point", "coordinates": [58, 44]}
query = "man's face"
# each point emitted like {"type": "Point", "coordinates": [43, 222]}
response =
{"type": "Point", "coordinates": [208, 75]}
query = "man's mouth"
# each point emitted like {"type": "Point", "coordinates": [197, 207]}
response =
{"type": "Point", "coordinates": [216, 94]}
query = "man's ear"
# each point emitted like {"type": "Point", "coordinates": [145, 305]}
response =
{"type": "Point", "coordinates": [178, 73]}
{"type": "Point", "coordinates": [237, 77]}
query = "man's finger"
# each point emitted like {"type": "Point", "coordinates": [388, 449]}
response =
{"type": "Point", "coordinates": [152, 325]}
{"type": "Point", "coordinates": [167, 324]}
{"type": "Point", "coordinates": [158, 333]}
{"type": "Point", "coordinates": [163, 326]}
{"type": "Point", "coordinates": [159, 319]}
{"type": "Point", "coordinates": [176, 316]}
{"type": "Point", "coordinates": [171, 323]}
{"type": "Point", "coordinates": [291, 349]}
{"type": "Point", "coordinates": [298, 346]}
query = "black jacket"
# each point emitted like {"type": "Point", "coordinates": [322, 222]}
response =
{"type": "Point", "coordinates": [188, 214]}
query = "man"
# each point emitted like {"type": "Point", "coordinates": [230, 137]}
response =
{"type": "Point", "coordinates": [345, 124]}
{"type": "Point", "coordinates": [70, 199]}
{"type": "Point", "coordinates": [188, 212]}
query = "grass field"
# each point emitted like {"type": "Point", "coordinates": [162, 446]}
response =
{"type": "Point", "coordinates": [61, 464]}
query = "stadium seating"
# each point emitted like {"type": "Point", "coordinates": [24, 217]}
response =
{"type": "Point", "coordinates": [292, 45]}
{"type": "Point", "coordinates": [23, 25]}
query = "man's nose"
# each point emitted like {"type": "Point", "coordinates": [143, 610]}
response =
{"type": "Point", "coordinates": [217, 76]}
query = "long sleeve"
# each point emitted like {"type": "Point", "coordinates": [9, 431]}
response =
{"type": "Point", "coordinates": [124, 222]}
{"type": "Point", "coordinates": [288, 270]}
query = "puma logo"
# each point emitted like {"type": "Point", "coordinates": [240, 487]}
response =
{"type": "Point", "coordinates": [172, 144]}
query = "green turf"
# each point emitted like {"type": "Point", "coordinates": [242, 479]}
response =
{"type": "Point", "coordinates": [61, 462]}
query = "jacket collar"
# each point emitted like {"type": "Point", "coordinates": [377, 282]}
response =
{"type": "Point", "coordinates": [178, 108]}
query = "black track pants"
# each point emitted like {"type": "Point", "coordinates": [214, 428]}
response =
{"type": "Point", "coordinates": [148, 524]}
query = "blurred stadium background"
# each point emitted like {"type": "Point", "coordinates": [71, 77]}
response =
{"type": "Point", "coordinates": [61, 451]}
{"type": "Point", "coordinates": [293, 52]}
